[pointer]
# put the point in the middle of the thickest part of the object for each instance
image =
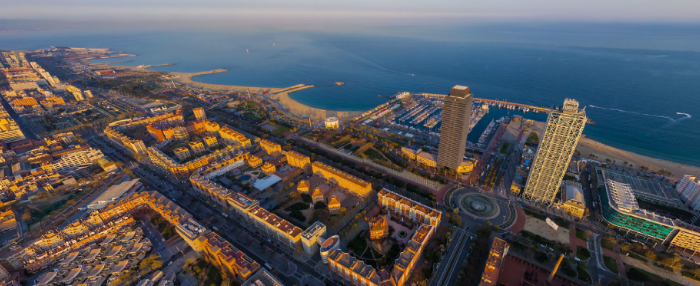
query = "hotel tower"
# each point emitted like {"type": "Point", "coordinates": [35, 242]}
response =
{"type": "Point", "coordinates": [561, 135]}
{"type": "Point", "coordinates": [455, 127]}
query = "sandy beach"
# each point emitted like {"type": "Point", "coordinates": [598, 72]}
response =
{"type": "Point", "coordinates": [601, 151]}
{"type": "Point", "coordinates": [187, 79]}
{"type": "Point", "coordinates": [280, 95]}
{"type": "Point", "coordinates": [286, 102]}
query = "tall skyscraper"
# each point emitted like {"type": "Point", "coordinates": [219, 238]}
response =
{"type": "Point", "coordinates": [455, 127]}
{"type": "Point", "coordinates": [561, 135]}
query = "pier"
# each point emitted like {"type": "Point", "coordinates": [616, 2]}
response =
{"type": "Point", "coordinates": [152, 66]}
{"type": "Point", "coordinates": [294, 88]}
{"type": "Point", "coordinates": [190, 75]}
{"type": "Point", "coordinates": [499, 103]}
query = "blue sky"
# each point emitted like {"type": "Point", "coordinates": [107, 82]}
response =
{"type": "Point", "coordinates": [319, 11]}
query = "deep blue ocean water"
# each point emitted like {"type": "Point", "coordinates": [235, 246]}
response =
{"type": "Point", "coordinates": [637, 77]}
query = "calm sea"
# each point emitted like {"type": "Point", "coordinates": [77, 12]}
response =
{"type": "Point", "coordinates": [633, 79]}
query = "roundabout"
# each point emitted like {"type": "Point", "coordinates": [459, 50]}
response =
{"type": "Point", "coordinates": [479, 206]}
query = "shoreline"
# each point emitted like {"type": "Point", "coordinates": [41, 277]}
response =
{"type": "Point", "coordinates": [279, 95]}
{"type": "Point", "coordinates": [287, 103]}
{"type": "Point", "coordinates": [587, 146]}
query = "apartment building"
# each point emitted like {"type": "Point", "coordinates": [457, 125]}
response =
{"type": "Point", "coordinates": [182, 153]}
{"type": "Point", "coordinates": [268, 168]}
{"type": "Point", "coordinates": [404, 207]}
{"type": "Point", "coordinates": [270, 147]}
{"type": "Point", "coordinates": [282, 231]}
{"type": "Point", "coordinates": [181, 170]}
{"type": "Point", "coordinates": [297, 159]}
{"type": "Point", "coordinates": [197, 147]}
{"type": "Point", "coordinates": [494, 262]}
{"type": "Point", "coordinates": [199, 114]}
{"type": "Point", "coordinates": [359, 273]}
{"type": "Point", "coordinates": [9, 130]}
{"type": "Point", "coordinates": [227, 257]}
{"type": "Point", "coordinates": [210, 141]}
{"type": "Point", "coordinates": [233, 137]}
{"type": "Point", "coordinates": [351, 183]}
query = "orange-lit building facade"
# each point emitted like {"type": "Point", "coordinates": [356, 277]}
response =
{"type": "Point", "coordinates": [494, 262]}
{"type": "Point", "coordinates": [358, 273]}
{"type": "Point", "coordinates": [179, 170]}
{"type": "Point", "coordinates": [378, 227]}
{"type": "Point", "coordinates": [233, 137]}
{"type": "Point", "coordinates": [268, 168]}
{"type": "Point", "coordinates": [297, 159]}
{"type": "Point", "coordinates": [355, 185]}
{"type": "Point", "coordinates": [254, 161]}
{"type": "Point", "coordinates": [270, 147]}
{"type": "Point", "coordinates": [227, 257]}
{"type": "Point", "coordinates": [403, 207]}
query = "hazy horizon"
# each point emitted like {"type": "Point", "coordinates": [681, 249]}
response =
{"type": "Point", "coordinates": [310, 12]}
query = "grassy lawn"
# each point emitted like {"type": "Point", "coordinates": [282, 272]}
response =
{"type": "Point", "coordinates": [638, 257]}
{"type": "Point", "coordinates": [533, 138]}
{"type": "Point", "coordinates": [611, 264]}
{"type": "Point", "coordinates": [567, 269]}
{"type": "Point", "coordinates": [608, 242]}
{"type": "Point", "coordinates": [374, 154]}
{"type": "Point", "coordinates": [534, 214]}
{"type": "Point", "coordinates": [504, 148]}
{"type": "Point", "coordinates": [279, 129]}
{"type": "Point", "coordinates": [298, 215]}
{"type": "Point", "coordinates": [647, 278]}
{"type": "Point", "coordinates": [581, 234]}
{"type": "Point", "coordinates": [213, 277]}
{"type": "Point", "coordinates": [582, 273]}
{"type": "Point", "coordinates": [358, 244]}
{"type": "Point", "coordinates": [582, 253]}
{"type": "Point", "coordinates": [297, 207]}
{"type": "Point", "coordinates": [251, 116]}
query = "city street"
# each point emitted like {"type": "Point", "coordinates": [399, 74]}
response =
{"type": "Point", "coordinates": [456, 254]}
{"type": "Point", "coordinates": [304, 269]}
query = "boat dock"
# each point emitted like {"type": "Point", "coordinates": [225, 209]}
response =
{"type": "Point", "coordinates": [511, 105]}
{"type": "Point", "coordinates": [498, 103]}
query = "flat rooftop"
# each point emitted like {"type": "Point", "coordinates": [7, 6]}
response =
{"type": "Point", "coordinates": [643, 188]}
{"type": "Point", "coordinates": [111, 194]}
{"type": "Point", "coordinates": [266, 182]}
{"type": "Point", "coordinates": [622, 195]}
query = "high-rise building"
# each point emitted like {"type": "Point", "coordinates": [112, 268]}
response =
{"type": "Point", "coordinates": [455, 127]}
{"type": "Point", "coordinates": [561, 135]}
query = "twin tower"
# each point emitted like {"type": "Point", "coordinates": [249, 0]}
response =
{"type": "Point", "coordinates": [561, 135]}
